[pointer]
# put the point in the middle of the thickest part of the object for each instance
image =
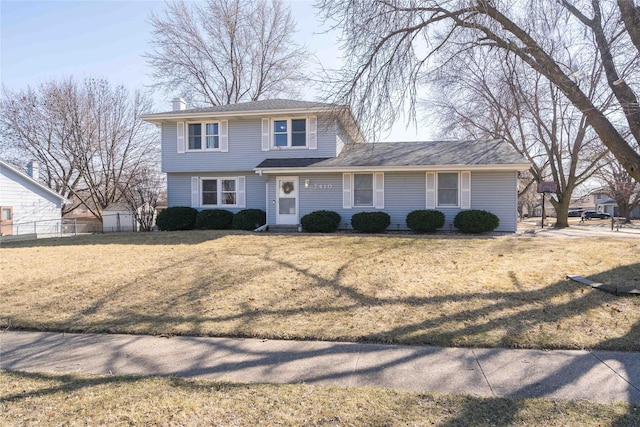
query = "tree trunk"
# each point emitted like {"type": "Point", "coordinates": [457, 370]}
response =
{"type": "Point", "coordinates": [562, 212]}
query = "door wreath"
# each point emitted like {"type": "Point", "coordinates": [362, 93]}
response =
{"type": "Point", "coordinates": [287, 187]}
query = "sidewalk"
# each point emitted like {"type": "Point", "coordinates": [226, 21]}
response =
{"type": "Point", "coordinates": [598, 376]}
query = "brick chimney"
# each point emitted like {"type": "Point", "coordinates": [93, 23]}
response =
{"type": "Point", "coordinates": [179, 104]}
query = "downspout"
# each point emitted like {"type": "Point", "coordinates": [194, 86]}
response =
{"type": "Point", "coordinates": [264, 227]}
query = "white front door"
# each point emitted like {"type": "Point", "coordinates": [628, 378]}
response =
{"type": "Point", "coordinates": [287, 200]}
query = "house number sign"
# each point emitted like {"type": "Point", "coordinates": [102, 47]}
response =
{"type": "Point", "coordinates": [322, 186]}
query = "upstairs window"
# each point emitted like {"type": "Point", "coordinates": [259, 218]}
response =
{"type": "Point", "coordinates": [290, 133]}
{"type": "Point", "coordinates": [195, 136]}
{"type": "Point", "coordinates": [211, 136]}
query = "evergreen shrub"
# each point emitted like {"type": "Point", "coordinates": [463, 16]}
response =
{"type": "Point", "coordinates": [425, 221]}
{"type": "Point", "coordinates": [249, 219]}
{"type": "Point", "coordinates": [177, 218]}
{"type": "Point", "coordinates": [321, 222]}
{"type": "Point", "coordinates": [214, 219]}
{"type": "Point", "coordinates": [370, 222]}
{"type": "Point", "coordinates": [476, 221]}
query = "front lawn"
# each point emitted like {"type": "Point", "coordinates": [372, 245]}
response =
{"type": "Point", "coordinates": [47, 399]}
{"type": "Point", "coordinates": [507, 291]}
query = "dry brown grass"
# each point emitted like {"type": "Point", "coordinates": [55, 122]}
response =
{"type": "Point", "coordinates": [43, 399]}
{"type": "Point", "coordinates": [503, 291]}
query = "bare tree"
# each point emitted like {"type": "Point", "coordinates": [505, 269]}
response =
{"type": "Point", "coordinates": [226, 51]}
{"type": "Point", "coordinates": [35, 125]}
{"type": "Point", "coordinates": [87, 138]}
{"type": "Point", "coordinates": [142, 194]}
{"type": "Point", "coordinates": [620, 186]}
{"type": "Point", "coordinates": [487, 99]}
{"type": "Point", "coordinates": [527, 196]}
{"type": "Point", "coordinates": [392, 45]}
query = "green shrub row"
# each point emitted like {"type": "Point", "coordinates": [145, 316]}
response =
{"type": "Point", "coordinates": [419, 221]}
{"type": "Point", "coordinates": [186, 218]}
{"type": "Point", "coordinates": [469, 221]}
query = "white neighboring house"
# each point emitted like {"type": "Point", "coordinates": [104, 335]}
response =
{"type": "Point", "coordinates": [26, 206]}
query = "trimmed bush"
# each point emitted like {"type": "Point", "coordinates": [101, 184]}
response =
{"type": "Point", "coordinates": [425, 221]}
{"type": "Point", "coordinates": [321, 222]}
{"type": "Point", "coordinates": [214, 219]}
{"type": "Point", "coordinates": [249, 219]}
{"type": "Point", "coordinates": [177, 218]}
{"type": "Point", "coordinates": [370, 222]}
{"type": "Point", "coordinates": [476, 221]}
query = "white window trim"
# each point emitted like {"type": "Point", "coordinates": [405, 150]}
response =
{"type": "Point", "coordinates": [348, 190]}
{"type": "Point", "coordinates": [457, 205]}
{"type": "Point", "coordinates": [219, 191]}
{"type": "Point", "coordinates": [272, 138]}
{"type": "Point", "coordinates": [203, 136]}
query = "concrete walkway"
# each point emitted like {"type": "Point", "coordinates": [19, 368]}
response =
{"type": "Point", "coordinates": [599, 376]}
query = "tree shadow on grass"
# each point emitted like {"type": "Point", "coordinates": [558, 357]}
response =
{"type": "Point", "coordinates": [163, 238]}
{"type": "Point", "coordinates": [496, 312]}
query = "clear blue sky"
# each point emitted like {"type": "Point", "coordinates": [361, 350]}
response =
{"type": "Point", "coordinates": [44, 40]}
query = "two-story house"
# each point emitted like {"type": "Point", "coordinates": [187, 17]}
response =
{"type": "Point", "coordinates": [290, 158]}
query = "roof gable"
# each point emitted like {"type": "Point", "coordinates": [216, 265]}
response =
{"type": "Point", "coordinates": [27, 179]}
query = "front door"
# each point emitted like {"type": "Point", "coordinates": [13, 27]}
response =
{"type": "Point", "coordinates": [287, 200]}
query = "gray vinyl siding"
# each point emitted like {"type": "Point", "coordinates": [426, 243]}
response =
{"type": "Point", "coordinates": [245, 153]}
{"type": "Point", "coordinates": [179, 189]}
{"type": "Point", "coordinates": [497, 192]}
{"type": "Point", "coordinates": [403, 193]}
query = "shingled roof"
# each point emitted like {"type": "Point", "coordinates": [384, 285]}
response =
{"type": "Point", "coordinates": [262, 105]}
{"type": "Point", "coordinates": [403, 154]}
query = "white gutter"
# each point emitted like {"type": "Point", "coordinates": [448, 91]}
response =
{"type": "Point", "coordinates": [311, 169]}
{"type": "Point", "coordinates": [186, 114]}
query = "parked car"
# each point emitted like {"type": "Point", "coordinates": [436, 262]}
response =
{"type": "Point", "coordinates": [575, 212]}
{"type": "Point", "coordinates": [594, 214]}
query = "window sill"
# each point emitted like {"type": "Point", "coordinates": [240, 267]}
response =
{"type": "Point", "coordinates": [276, 148]}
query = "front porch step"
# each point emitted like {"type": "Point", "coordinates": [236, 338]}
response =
{"type": "Point", "coordinates": [283, 228]}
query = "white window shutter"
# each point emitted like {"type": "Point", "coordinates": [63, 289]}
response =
{"type": "Point", "coordinates": [346, 191]}
{"type": "Point", "coordinates": [431, 190]}
{"type": "Point", "coordinates": [224, 136]}
{"type": "Point", "coordinates": [195, 192]}
{"type": "Point", "coordinates": [265, 134]}
{"type": "Point", "coordinates": [312, 133]}
{"type": "Point", "coordinates": [181, 142]}
{"type": "Point", "coordinates": [465, 190]}
{"type": "Point", "coordinates": [378, 190]}
{"type": "Point", "coordinates": [240, 192]}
